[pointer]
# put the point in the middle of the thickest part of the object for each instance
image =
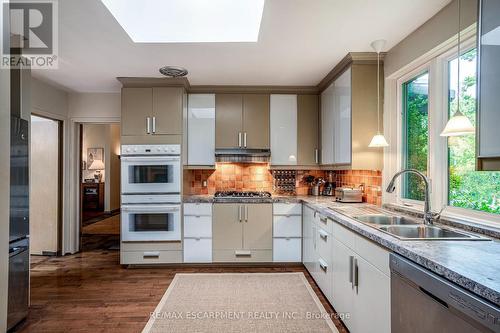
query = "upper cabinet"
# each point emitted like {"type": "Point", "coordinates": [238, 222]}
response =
{"type": "Point", "coordinates": [349, 119]}
{"type": "Point", "coordinates": [201, 129]}
{"type": "Point", "coordinates": [283, 129]}
{"type": "Point", "coordinates": [152, 111]}
{"type": "Point", "coordinates": [489, 86]}
{"type": "Point", "coordinates": [242, 121]}
{"type": "Point", "coordinates": [307, 130]}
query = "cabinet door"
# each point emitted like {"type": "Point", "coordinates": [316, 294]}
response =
{"type": "Point", "coordinates": [167, 110]}
{"type": "Point", "coordinates": [343, 292]}
{"type": "Point", "coordinates": [227, 229]}
{"type": "Point", "coordinates": [327, 123]}
{"type": "Point", "coordinates": [258, 227]}
{"type": "Point", "coordinates": [342, 119]}
{"type": "Point", "coordinates": [283, 129]}
{"type": "Point", "coordinates": [256, 120]}
{"type": "Point", "coordinates": [307, 129]}
{"type": "Point", "coordinates": [201, 129]}
{"type": "Point", "coordinates": [228, 120]}
{"type": "Point", "coordinates": [137, 106]}
{"type": "Point", "coordinates": [372, 301]}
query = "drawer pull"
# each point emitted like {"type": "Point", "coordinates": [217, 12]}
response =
{"type": "Point", "coordinates": [323, 219]}
{"type": "Point", "coordinates": [152, 254]}
{"type": "Point", "coordinates": [323, 234]}
{"type": "Point", "coordinates": [351, 265]}
{"type": "Point", "coordinates": [242, 253]}
{"type": "Point", "coordinates": [323, 265]}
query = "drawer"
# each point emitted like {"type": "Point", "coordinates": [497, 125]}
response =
{"type": "Point", "coordinates": [151, 246]}
{"type": "Point", "coordinates": [197, 250]}
{"type": "Point", "coordinates": [324, 243]}
{"type": "Point", "coordinates": [245, 256]}
{"type": "Point", "coordinates": [287, 249]}
{"type": "Point", "coordinates": [287, 226]}
{"type": "Point", "coordinates": [373, 253]}
{"type": "Point", "coordinates": [198, 209]}
{"type": "Point", "coordinates": [325, 278]}
{"type": "Point", "coordinates": [197, 226]}
{"type": "Point", "coordinates": [287, 209]}
{"type": "Point", "coordinates": [150, 257]}
{"type": "Point", "coordinates": [324, 222]}
{"type": "Point", "coordinates": [343, 235]}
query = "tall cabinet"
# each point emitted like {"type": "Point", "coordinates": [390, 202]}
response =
{"type": "Point", "coordinates": [349, 117]}
{"type": "Point", "coordinates": [201, 129]}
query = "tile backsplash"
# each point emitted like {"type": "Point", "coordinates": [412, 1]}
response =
{"type": "Point", "coordinates": [258, 177]}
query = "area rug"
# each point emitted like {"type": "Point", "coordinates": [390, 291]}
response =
{"type": "Point", "coordinates": [240, 302]}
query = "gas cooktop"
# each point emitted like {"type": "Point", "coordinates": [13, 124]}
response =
{"type": "Point", "coordinates": [242, 194]}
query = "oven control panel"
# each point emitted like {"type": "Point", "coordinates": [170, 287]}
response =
{"type": "Point", "coordinates": [151, 150]}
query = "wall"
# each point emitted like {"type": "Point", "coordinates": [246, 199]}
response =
{"type": "Point", "coordinates": [48, 100]}
{"type": "Point", "coordinates": [44, 172]}
{"type": "Point", "coordinates": [4, 189]}
{"type": "Point", "coordinates": [114, 167]}
{"type": "Point", "coordinates": [431, 34]}
{"type": "Point", "coordinates": [95, 105]}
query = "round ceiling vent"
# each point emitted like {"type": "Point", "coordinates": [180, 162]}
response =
{"type": "Point", "coordinates": [173, 71]}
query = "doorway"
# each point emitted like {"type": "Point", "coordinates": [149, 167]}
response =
{"type": "Point", "coordinates": [46, 186]}
{"type": "Point", "coordinates": [99, 186]}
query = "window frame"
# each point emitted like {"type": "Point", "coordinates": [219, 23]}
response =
{"type": "Point", "coordinates": [435, 62]}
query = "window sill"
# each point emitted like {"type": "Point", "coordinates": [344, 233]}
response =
{"type": "Point", "coordinates": [476, 222]}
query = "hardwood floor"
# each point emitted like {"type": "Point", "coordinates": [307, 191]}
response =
{"type": "Point", "coordinates": [91, 292]}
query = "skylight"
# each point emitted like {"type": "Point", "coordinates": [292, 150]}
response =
{"type": "Point", "coordinates": [188, 21]}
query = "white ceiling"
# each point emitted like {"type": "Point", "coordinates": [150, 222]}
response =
{"type": "Point", "coordinates": [300, 41]}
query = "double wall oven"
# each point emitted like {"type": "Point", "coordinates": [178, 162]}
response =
{"type": "Point", "coordinates": [151, 187]}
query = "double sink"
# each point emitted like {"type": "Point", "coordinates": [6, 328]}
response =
{"type": "Point", "coordinates": [408, 229]}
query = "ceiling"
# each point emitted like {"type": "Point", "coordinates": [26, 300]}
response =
{"type": "Point", "coordinates": [300, 41]}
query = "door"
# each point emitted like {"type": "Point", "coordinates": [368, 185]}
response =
{"type": "Point", "coordinates": [137, 106]}
{"type": "Point", "coordinates": [307, 129]}
{"type": "Point", "coordinates": [372, 303]}
{"type": "Point", "coordinates": [283, 129]}
{"type": "Point", "coordinates": [228, 120]}
{"type": "Point", "coordinates": [343, 291]}
{"type": "Point", "coordinates": [167, 111]}
{"type": "Point", "coordinates": [257, 228]}
{"type": "Point", "coordinates": [256, 121]}
{"type": "Point", "coordinates": [227, 228]}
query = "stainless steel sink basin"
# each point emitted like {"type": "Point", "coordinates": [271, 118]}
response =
{"type": "Point", "coordinates": [380, 219]}
{"type": "Point", "coordinates": [427, 232]}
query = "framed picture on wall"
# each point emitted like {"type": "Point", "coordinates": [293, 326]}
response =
{"type": "Point", "coordinates": [94, 154]}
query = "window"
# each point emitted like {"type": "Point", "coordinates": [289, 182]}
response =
{"type": "Point", "coordinates": [415, 134]}
{"type": "Point", "coordinates": [468, 188]}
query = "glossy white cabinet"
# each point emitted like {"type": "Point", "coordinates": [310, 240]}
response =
{"type": "Point", "coordinates": [201, 129]}
{"type": "Point", "coordinates": [198, 250]}
{"type": "Point", "coordinates": [342, 296]}
{"type": "Point", "coordinates": [336, 121]}
{"type": "Point", "coordinates": [197, 232]}
{"type": "Point", "coordinates": [287, 232]}
{"type": "Point", "coordinates": [287, 249]}
{"type": "Point", "coordinates": [283, 129]}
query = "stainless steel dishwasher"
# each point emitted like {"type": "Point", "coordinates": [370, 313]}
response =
{"type": "Point", "coordinates": [422, 302]}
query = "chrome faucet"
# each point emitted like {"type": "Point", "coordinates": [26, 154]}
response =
{"type": "Point", "coordinates": [428, 216]}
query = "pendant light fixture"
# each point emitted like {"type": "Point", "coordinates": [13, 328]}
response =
{"type": "Point", "coordinates": [459, 124]}
{"type": "Point", "coordinates": [378, 140]}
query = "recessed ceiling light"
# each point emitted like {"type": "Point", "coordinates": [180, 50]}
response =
{"type": "Point", "coordinates": [188, 21]}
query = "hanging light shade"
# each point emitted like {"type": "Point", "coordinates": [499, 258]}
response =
{"type": "Point", "coordinates": [378, 140]}
{"type": "Point", "coordinates": [459, 124]}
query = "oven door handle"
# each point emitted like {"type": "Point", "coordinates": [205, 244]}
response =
{"type": "Point", "coordinates": [150, 208]}
{"type": "Point", "coordinates": [155, 158]}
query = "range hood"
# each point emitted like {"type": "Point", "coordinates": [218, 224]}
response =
{"type": "Point", "coordinates": [242, 155]}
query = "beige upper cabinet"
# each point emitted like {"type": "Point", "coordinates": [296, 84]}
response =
{"type": "Point", "coordinates": [147, 111]}
{"type": "Point", "coordinates": [167, 110]}
{"type": "Point", "coordinates": [307, 129]}
{"type": "Point", "coordinates": [228, 120]}
{"type": "Point", "coordinates": [256, 121]}
{"type": "Point", "coordinates": [242, 121]}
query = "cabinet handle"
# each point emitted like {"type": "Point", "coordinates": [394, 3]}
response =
{"type": "Point", "coordinates": [239, 213]}
{"type": "Point", "coordinates": [246, 213]}
{"type": "Point", "coordinates": [323, 265]}
{"type": "Point", "coordinates": [154, 125]}
{"type": "Point", "coordinates": [152, 254]}
{"type": "Point", "coordinates": [356, 275]}
{"type": "Point", "coordinates": [323, 219]}
{"type": "Point", "coordinates": [148, 125]}
{"type": "Point", "coordinates": [242, 253]}
{"type": "Point", "coordinates": [316, 156]}
{"type": "Point", "coordinates": [245, 139]}
{"type": "Point", "coordinates": [351, 265]}
{"type": "Point", "coordinates": [323, 234]}
{"type": "Point", "coordinates": [239, 139]}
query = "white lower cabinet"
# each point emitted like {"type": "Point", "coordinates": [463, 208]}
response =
{"type": "Point", "coordinates": [197, 233]}
{"type": "Point", "coordinates": [287, 249]}
{"type": "Point", "coordinates": [287, 232]}
{"type": "Point", "coordinates": [343, 282]}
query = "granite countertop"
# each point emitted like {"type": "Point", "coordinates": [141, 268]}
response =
{"type": "Point", "coordinates": [473, 265]}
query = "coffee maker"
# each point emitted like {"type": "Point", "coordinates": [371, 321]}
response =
{"type": "Point", "coordinates": [329, 186]}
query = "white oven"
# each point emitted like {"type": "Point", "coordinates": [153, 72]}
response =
{"type": "Point", "coordinates": [150, 222]}
{"type": "Point", "coordinates": [150, 169]}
